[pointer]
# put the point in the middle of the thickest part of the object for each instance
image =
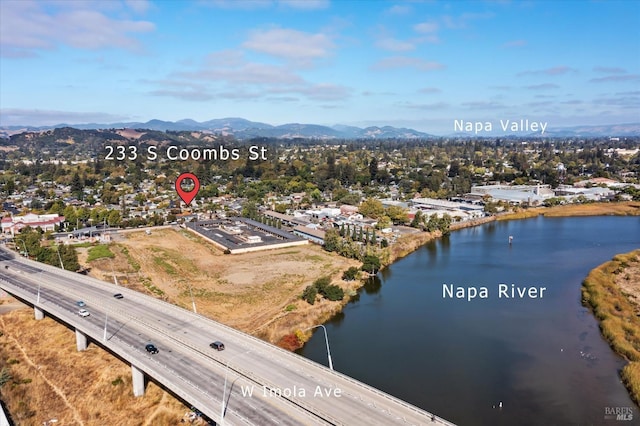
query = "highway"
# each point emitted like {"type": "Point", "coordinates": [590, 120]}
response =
{"type": "Point", "coordinates": [261, 383]}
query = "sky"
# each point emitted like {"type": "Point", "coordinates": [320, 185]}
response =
{"type": "Point", "coordinates": [416, 64]}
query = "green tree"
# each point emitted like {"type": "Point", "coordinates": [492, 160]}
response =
{"type": "Point", "coordinates": [397, 214]}
{"type": "Point", "coordinates": [331, 240]}
{"type": "Point", "coordinates": [372, 208]}
{"type": "Point", "coordinates": [371, 264]}
{"type": "Point", "coordinates": [350, 274]}
{"type": "Point", "coordinates": [309, 294]}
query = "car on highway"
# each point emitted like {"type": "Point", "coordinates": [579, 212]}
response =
{"type": "Point", "coordinates": [217, 345]}
{"type": "Point", "coordinates": [83, 313]}
{"type": "Point", "coordinates": [151, 348]}
{"type": "Point", "coordinates": [80, 303]}
{"type": "Point", "coordinates": [118, 296]}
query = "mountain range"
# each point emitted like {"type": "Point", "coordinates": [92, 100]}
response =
{"type": "Point", "coordinates": [242, 128]}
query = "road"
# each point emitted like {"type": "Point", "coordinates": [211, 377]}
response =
{"type": "Point", "coordinates": [261, 383]}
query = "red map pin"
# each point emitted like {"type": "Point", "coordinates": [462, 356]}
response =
{"type": "Point", "coordinates": [187, 196]}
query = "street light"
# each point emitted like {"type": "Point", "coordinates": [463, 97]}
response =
{"type": "Point", "coordinates": [106, 316]}
{"type": "Point", "coordinates": [193, 302]}
{"type": "Point", "coordinates": [326, 339]}
{"type": "Point", "coordinates": [59, 257]}
{"type": "Point", "coordinates": [224, 389]}
{"type": "Point", "coordinates": [25, 247]}
{"type": "Point", "coordinates": [113, 272]}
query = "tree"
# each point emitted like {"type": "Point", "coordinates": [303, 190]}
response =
{"type": "Point", "coordinates": [372, 208]}
{"type": "Point", "coordinates": [331, 240]}
{"type": "Point", "coordinates": [333, 293]}
{"type": "Point", "coordinates": [371, 264]}
{"type": "Point", "coordinates": [76, 185]}
{"type": "Point", "coordinates": [309, 294]}
{"type": "Point", "coordinates": [350, 274]}
{"type": "Point", "coordinates": [397, 214]}
{"type": "Point", "coordinates": [250, 210]}
{"type": "Point", "coordinates": [373, 168]}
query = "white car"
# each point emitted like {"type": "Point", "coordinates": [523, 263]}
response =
{"type": "Point", "coordinates": [83, 313]}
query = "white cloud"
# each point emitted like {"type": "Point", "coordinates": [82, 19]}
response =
{"type": "Point", "coordinates": [28, 27]}
{"type": "Point", "coordinates": [293, 45]}
{"type": "Point", "coordinates": [426, 27]}
{"type": "Point", "coordinates": [138, 6]}
{"type": "Point", "coordinates": [399, 9]}
{"type": "Point", "coordinates": [394, 45]}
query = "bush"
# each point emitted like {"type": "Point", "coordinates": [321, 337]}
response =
{"type": "Point", "coordinates": [350, 274]}
{"type": "Point", "coordinates": [309, 294]}
{"type": "Point", "coordinates": [321, 284]}
{"type": "Point", "coordinates": [371, 264]}
{"type": "Point", "coordinates": [333, 293]}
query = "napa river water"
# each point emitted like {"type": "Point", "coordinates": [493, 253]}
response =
{"type": "Point", "coordinates": [543, 358]}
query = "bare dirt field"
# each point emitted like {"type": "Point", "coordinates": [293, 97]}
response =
{"type": "Point", "coordinates": [258, 292]}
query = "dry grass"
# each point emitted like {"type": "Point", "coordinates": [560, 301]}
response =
{"type": "Point", "coordinates": [50, 379]}
{"type": "Point", "coordinates": [250, 292]}
{"type": "Point", "coordinates": [612, 291]}
{"type": "Point", "coordinates": [627, 208]}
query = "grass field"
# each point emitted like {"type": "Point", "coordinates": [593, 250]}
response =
{"type": "Point", "coordinates": [612, 291]}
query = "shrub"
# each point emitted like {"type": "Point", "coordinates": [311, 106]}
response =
{"type": "Point", "coordinates": [309, 294]}
{"type": "Point", "coordinates": [321, 284]}
{"type": "Point", "coordinates": [333, 293]}
{"type": "Point", "coordinates": [350, 274]}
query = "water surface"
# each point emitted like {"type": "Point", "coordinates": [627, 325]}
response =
{"type": "Point", "coordinates": [543, 358]}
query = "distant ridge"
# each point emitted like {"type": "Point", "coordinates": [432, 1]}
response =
{"type": "Point", "coordinates": [242, 128]}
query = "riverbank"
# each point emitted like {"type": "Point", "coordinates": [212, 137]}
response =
{"type": "Point", "coordinates": [625, 208]}
{"type": "Point", "coordinates": [612, 292]}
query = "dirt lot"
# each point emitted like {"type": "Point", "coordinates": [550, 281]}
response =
{"type": "Point", "coordinates": [257, 292]}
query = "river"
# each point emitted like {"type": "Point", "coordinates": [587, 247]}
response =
{"type": "Point", "coordinates": [543, 357]}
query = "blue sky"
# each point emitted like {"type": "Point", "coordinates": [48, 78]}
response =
{"type": "Point", "coordinates": [418, 64]}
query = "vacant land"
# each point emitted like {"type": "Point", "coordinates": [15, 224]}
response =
{"type": "Point", "coordinates": [258, 292]}
{"type": "Point", "coordinates": [42, 381]}
{"type": "Point", "coordinates": [612, 291]}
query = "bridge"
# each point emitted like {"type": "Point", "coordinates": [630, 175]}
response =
{"type": "Point", "coordinates": [251, 382]}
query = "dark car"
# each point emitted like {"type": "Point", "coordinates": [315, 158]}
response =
{"type": "Point", "coordinates": [151, 348]}
{"type": "Point", "coordinates": [80, 303]}
{"type": "Point", "coordinates": [217, 345]}
{"type": "Point", "coordinates": [118, 296]}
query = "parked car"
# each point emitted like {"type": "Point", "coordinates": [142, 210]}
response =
{"type": "Point", "coordinates": [151, 348]}
{"type": "Point", "coordinates": [83, 313]}
{"type": "Point", "coordinates": [217, 345]}
{"type": "Point", "coordinates": [118, 296]}
{"type": "Point", "coordinates": [80, 303]}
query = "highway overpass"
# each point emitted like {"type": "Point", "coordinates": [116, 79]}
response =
{"type": "Point", "coordinates": [250, 382]}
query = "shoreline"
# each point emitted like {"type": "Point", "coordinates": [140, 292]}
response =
{"type": "Point", "coordinates": [413, 242]}
{"type": "Point", "coordinates": [617, 311]}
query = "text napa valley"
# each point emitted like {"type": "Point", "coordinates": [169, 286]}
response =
{"type": "Point", "coordinates": [524, 125]}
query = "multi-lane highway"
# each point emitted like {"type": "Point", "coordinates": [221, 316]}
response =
{"type": "Point", "coordinates": [250, 382]}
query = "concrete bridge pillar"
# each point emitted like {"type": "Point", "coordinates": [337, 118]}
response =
{"type": "Point", "coordinates": [137, 377]}
{"type": "Point", "coordinates": [81, 341]}
{"type": "Point", "coordinates": [38, 313]}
